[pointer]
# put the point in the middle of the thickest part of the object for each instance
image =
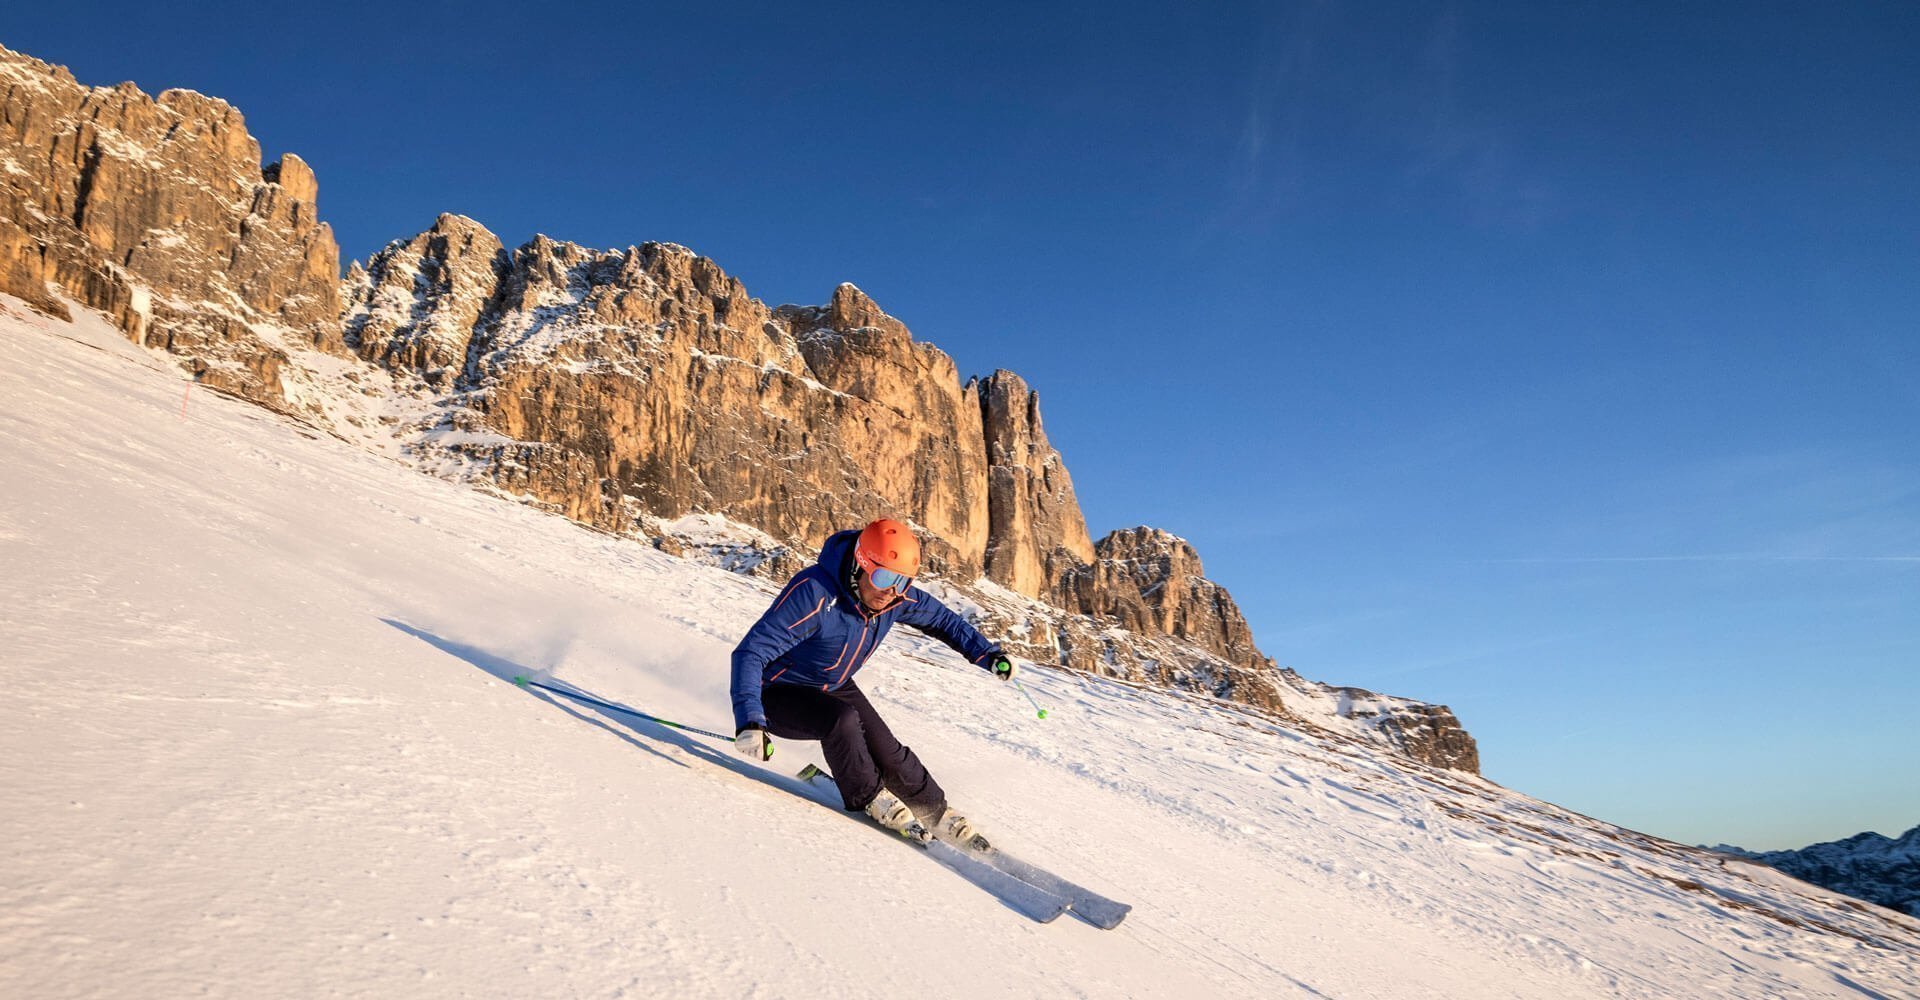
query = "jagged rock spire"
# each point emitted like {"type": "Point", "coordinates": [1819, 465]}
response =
{"type": "Point", "coordinates": [157, 211]}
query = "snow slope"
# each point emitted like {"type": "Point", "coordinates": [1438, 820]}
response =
{"type": "Point", "coordinates": [258, 743]}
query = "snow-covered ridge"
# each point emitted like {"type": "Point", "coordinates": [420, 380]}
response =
{"type": "Point", "coordinates": [260, 737]}
{"type": "Point", "coordinates": [1869, 866]}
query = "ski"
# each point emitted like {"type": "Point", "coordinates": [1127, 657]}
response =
{"type": "Point", "coordinates": [1098, 910]}
{"type": "Point", "coordinates": [1028, 900]}
{"type": "Point", "coordinates": [1082, 902]}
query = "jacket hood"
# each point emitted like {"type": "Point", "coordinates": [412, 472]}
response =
{"type": "Point", "coordinates": [834, 557]}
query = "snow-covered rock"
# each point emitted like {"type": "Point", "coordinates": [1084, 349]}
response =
{"type": "Point", "coordinates": [1869, 866]}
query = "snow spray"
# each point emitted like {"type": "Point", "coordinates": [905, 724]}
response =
{"type": "Point", "coordinates": [528, 682]}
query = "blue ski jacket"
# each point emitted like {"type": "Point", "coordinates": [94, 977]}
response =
{"type": "Point", "coordinates": [818, 634]}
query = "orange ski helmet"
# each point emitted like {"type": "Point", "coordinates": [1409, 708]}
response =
{"type": "Point", "coordinates": [890, 545]}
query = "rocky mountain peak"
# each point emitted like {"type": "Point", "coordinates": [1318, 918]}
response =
{"type": "Point", "coordinates": [1869, 866]}
{"type": "Point", "coordinates": [1152, 581]}
{"type": "Point", "coordinates": [848, 312]}
{"type": "Point", "coordinates": [1144, 544]}
{"type": "Point", "coordinates": [295, 178]}
{"type": "Point", "coordinates": [461, 226]}
{"type": "Point", "coordinates": [1036, 530]}
{"type": "Point", "coordinates": [417, 303]}
{"type": "Point", "coordinates": [157, 212]}
{"type": "Point", "coordinates": [851, 309]}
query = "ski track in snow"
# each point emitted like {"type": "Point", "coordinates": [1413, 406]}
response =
{"type": "Point", "coordinates": [261, 741]}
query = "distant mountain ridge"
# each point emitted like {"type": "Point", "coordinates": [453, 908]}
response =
{"type": "Point", "coordinates": [626, 389]}
{"type": "Point", "coordinates": [1869, 866]}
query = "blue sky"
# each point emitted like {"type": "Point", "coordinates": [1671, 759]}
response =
{"type": "Point", "coordinates": [1559, 363]}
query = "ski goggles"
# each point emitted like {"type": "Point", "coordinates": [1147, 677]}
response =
{"type": "Point", "coordinates": [887, 580]}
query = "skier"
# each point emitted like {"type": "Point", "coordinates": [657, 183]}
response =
{"type": "Point", "coordinates": [793, 676]}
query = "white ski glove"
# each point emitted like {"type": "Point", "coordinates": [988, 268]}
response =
{"type": "Point", "coordinates": [1003, 668]}
{"type": "Point", "coordinates": [753, 743]}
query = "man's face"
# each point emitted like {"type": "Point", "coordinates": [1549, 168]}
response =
{"type": "Point", "coordinates": [873, 597]}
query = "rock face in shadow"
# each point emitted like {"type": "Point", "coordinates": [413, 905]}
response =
{"type": "Point", "coordinates": [623, 388]}
{"type": "Point", "coordinates": [157, 212]}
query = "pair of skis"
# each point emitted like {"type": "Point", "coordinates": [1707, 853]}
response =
{"type": "Point", "coordinates": [1028, 889]}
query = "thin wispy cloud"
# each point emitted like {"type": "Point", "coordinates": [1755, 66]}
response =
{"type": "Point", "coordinates": [1809, 507]}
{"type": "Point", "coordinates": [1287, 633]}
{"type": "Point", "coordinates": [1265, 167]}
{"type": "Point", "coordinates": [1491, 654]}
{"type": "Point", "coordinates": [1266, 159]}
{"type": "Point", "coordinates": [1464, 150]}
{"type": "Point", "coordinates": [1318, 91]}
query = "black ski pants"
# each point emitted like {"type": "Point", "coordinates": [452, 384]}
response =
{"type": "Point", "coordinates": [861, 751]}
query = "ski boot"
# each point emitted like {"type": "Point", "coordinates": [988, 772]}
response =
{"type": "Point", "coordinates": [888, 811]}
{"type": "Point", "coordinates": [955, 829]}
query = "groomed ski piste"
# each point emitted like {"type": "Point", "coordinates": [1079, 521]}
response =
{"type": "Point", "coordinates": [260, 738]}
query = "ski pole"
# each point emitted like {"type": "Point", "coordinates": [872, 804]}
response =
{"type": "Point", "coordinates": [576, 696]}
{"type": "Point", "coordinates": [1030, 701]}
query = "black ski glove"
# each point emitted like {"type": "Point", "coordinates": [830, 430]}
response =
{"type": "Point", "coordinates": [1002, 667]}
